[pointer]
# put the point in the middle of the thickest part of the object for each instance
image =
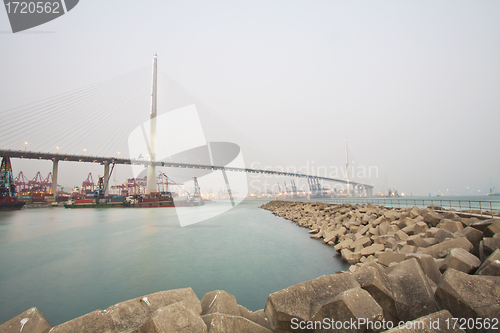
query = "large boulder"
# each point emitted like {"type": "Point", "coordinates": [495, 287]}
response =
{"type": "Point", "coordinates": [30, 321]}
{"type": "Point", "coordinates": [441, 321]}
{"type": "Point", "coordinates": [303, 300]}
{"type": "Point", "coordinates": [460, 260]}
{"type": "Point", "coordinates": [173, 318]}
{"type": "Point", "coordinates": [353, 305]}
{"type": "Point", "coordinates": [222, 323]}
{"type": "Point", "coordinates": [469, 296]}
{"type": "Point", "coordinates": [441, 250]}
{"type": "Point", "coordinates": [491, 266]}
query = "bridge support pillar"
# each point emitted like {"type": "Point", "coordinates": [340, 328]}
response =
{"type": "Point", "coordinates": [369, 191]}
{"type": "Point", "coordinates": [55, 167]}
{"type": "Point", "coordinates": [106, 178]}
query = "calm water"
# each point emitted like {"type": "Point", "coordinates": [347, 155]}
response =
{"type": "Point", "coordinates": [71, 262]}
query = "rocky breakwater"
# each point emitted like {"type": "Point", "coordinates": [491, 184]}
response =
{"type": "Point", "coordinates": [413, 270]}
{"type": "Point", "coordinates": [409, 265]}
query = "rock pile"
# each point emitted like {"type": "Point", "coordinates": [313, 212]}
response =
{"type": "Point", "coordinates": [398, 257]}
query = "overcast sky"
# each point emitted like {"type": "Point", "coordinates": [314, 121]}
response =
{"type": "Point", "coordinates": [414, 86]}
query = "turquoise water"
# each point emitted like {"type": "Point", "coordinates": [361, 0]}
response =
{"type": "Point", "coordinates": [71, 262]}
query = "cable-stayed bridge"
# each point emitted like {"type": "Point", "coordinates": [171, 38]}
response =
{"type": "Point", "coordinates": [106, 123]}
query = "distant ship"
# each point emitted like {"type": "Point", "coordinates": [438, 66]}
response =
{"type": "Point", "coordinates": [8, 196]}
{"type": "Point", "coordinates": [491, 194]}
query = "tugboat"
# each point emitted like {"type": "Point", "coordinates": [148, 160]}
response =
{"type": "Point", "coordinates": [8, 196]}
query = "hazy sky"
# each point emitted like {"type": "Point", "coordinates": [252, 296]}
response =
{"type": "Point", "coordinates": [414, 86]}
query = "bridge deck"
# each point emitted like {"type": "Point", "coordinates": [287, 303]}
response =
{"type": "Point", "coordinates": [103, 160]}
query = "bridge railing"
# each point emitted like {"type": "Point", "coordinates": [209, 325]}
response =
{"type": "Point", "coordinates": [469, 207]}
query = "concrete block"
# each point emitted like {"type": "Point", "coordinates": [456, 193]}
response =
{"type": "Point", "coordinates": [493, 229]}
{"type": "Point", "coordinates": [431, 233]}
{"type": "Point", "coordinates": [222, 323]}
{"type": "Point", "coordinates": [417, 241]}
{"type": "Point", "coordinates": [173, 318]}
{"type": "Point", "coordinates": [219, 301]}
{"type": "Point", "coordinates": [469, 296]}
{"type": "Point", "coordinates": [30, 321]}
{"type": "Point", "coordinates": [400, 236]}
{"type": "Point", "coordinates": [451, 226]}
{"type": "Point", "coordinates": [351, 305]}
{"type": "Point", "coordinates": [441, 250]}
{"type": "Point", "coordinates": [412, 293]}
{"type": "Point", "coordinates": [473, 235]}
{"type": "Point", "coordinates": [490, 245]}
{"type": "Point", "coordinates": [432, 218]}
{"type": "Point", "coordinates": [301, 301]}
{"type": "Point", "coordinates": [372, 249]}
{"type": "Point", "coordinates": [461, 260]}
{"type": "Point", "coordinates": [408, 249]}
{"type": "Point", "coordinates": [435, 322]}
{"type": "Point", "coordinates": [420, 227]}
{"type": "Point", "coordinates": [483, 225]}
{"type": "Point", "coordinates": [441, 235]}
{"type": "Point", "coordinates": [428, 265]}
{"type": "Point", "coordinates": [491, 266]}
{"type": "Point", "coordinates": [386, 258]}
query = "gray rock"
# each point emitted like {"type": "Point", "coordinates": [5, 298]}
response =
{"type": "Point", "coordinates": [302, 300]}
{"type": "Point", "coordinates": [222, 323]}
{"type": "Point", "coordinates": [441, 250]}
{"type": "Point", "coordinates": [219, 301]}
{"type": "Point", "coordinates": [173, 318]}
{"type": "Point", "coordinates": [460, 260]}
{"type": "Point", "coordinates": [491, 266]}
{"type": "Point", "coordinates": [435, 322]}
{"type": "Point", "coordinates": [30, 321]}
{"type": "Point", "coordinates": [351, 305]}
{"type": "Point", "coordinates": [469, 296]}
{"type": "Point", "coordinates": [493, 229]}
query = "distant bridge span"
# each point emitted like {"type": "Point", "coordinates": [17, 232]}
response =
{"type": "Point", "coordinates": [106, 161]}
